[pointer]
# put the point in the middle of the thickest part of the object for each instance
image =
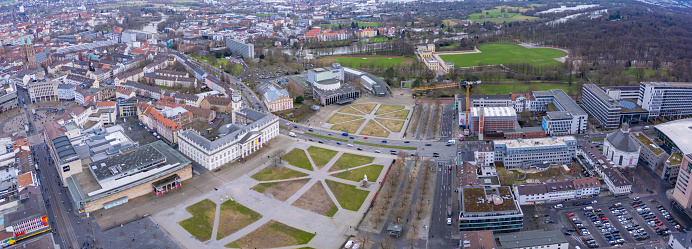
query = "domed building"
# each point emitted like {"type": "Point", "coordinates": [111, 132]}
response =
{"type": "Point", "coordinates": [620, 148]}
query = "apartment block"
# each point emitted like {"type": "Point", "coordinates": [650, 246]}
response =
{"type": "Point", "coordinates": [527, 153]}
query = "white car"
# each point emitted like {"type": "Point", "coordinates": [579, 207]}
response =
{"type": "Point", "coordinates": [449, 221]}
{"type": "Point", "coordinates": [350, 145]}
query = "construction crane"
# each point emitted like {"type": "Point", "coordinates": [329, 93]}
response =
{"type": "Point", "coordinates": [467, 118]}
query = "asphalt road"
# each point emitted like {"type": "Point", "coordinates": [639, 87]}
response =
{"type": "Point", "coordinates": [440, 235]}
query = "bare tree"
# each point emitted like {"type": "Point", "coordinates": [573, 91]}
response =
{"type": "Point", "coordinates": [276, 155]}
{"type": "Point", "coordinates": [386, 243]}
{"type": "Point", "coordinates": [365, 239]}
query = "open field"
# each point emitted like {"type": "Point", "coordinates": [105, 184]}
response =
{"type": "Point", "coordinates": [273, 234]}
{"type": "Point", "coordinates": [372, 171]}
{"type": "Point", "coordinates": [507, 88]}
{"type": "Point", "coordinates": [347, 161]}
{"type": "Point", "coordinates": [392, 125]}
{"type": "Point", "coordinates": [338, 118]}
{"type": "Point", "coordinates": [321, 156]}
{"type": "Point", "coordinates": [500, 53]}
{"type": "Point", "coordinates": [361, 61]}
{"type": "Point", "coordinates": [201, 224]}
{"type": "Point", "coordinates": [276, 173]}
{"type": "Point", "coordinates": [317, 200]}
{"type": "Point", "coordinates": [496, 16]}
{"type": "Point", "coordinates": [298, 158]}
{"type": "Point", "coordinates": [403, 114]}
{"type": "Point", "coordinates": [221, 64]}
{"type": "Point", "coordinates": [348, 196]}
{"type": "Point", "coordinates": [349, 110]}
{"type": "Point", "coordinates": [366, 108]}
{"type": "Point", "coordinates": [280, 190]}
{"type": "Point", "coordinates": [233, 217]}
{"type": "Point", "coordinates": [350, 127]}
{"type": "Point", "coordinates": [374, 129]}
{"type": "Point", "coordinates": [388, 108]}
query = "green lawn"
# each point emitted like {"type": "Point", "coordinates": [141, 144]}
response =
{"type": "Point", "coordinates": [348, 196]}
{"type": "Point", "coordinates": [260, 188]}
{"type": "Point", "coordinates": [233, 217]}
{"type": "Point", "coordinates": [647, 72]}
{"type": "Point", "coordinates": [500, 53]}
{"type": "Point", "coordinates": [273, 234]}
{"type": "Point", "coordinates": [321, 156]}
{"type": "Point", "coordinates": [332, 211]}
{"type": "Point", "coordinates": [276, 173]}
{"type": "Point", "coordinates": [201, 224]}
{"type": "Point", "coordinates": [237, 68]}
{"type": "Point", "coordinates": [495, 15]}
{"type": "Point", "coordinates": [362, 61]}
{"type": "Point", "coordinates": [372, 171]}
{"type": "Point", "coordinates": [507, 88]}
{"type": "Point", "coordinates": [347, 161]}
{"type": "Point", "coordinates": [298, 158]}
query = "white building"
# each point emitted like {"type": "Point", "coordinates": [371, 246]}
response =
{"type": "Point", "coordinates": [552, 239]}
{"type": "Point", "coordinates": [621, 149]}
{"type": "Point", "coordinates": [563, 115]}
{"type": "Point", "coordinates": [539, 193]}
{"type": "Point", "coordinates": [241, 140]}
{"type": "Point", "coordinates": [680, 240]}
{"type": "Point", "coordinates": [526, 153]}
{"type": "Point", "coordinates": [666, 98]}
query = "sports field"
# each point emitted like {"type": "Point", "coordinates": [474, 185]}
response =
{"type": "Point", "coordinates": [497, 16]}
{"type": "Point", "coordinates": [362, 61]}
{"type": "Point", "coordinates": [499, 53]}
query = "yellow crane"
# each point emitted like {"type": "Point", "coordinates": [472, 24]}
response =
{"type": "Point", "coordinates": [467, 118]}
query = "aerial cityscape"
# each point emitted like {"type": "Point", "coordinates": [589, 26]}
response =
{"type": "Point", "coordinates": [358, 124]}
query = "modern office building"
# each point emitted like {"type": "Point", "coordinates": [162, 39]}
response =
{"type": "Point", "coordinates": [623, 92]}
{"type": "Point", "coordinates": [563, 115]}
{"type": "Point", "coordinates": [663, 99]}
{"type": "Point", "coordinates": [239, 140]}
{"type": "Point", "coordinates": [125, 173]}
{"type": "Point", "coordinates": [329, 87]}
{"type": "Point", "coordinates": [675, 136]}
{"type": "Point", "coordinates": [489, 209]}
{"type": "Point", "coordinates": [8, 97]}
{"type": "Point", "coordinates": [43, 90]}
{"type": "Point", "coordinates": [242, 48]}
{"type": "Point", "coordinates": [682, 193]}
{"type": "Point", "coordinates": [492, 119]}
{"type": "Point", "coordinates": [621, 149]}
{"type": "Point", "coordinates": [605, 109]}
{"type": "Point", "coordinates": [527, 153]}
{"type": "Point", "coordinates": [552, 239]}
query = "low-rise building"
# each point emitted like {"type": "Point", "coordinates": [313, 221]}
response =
{"type": "Point", "coordinates": [218, 103]}
{"type": "Point", "coordinates": [275, 98]}
{"type": "Point", "coordinates": [563, 115]}
{"type": "Point", "coordinates": [167, 122]}
{"type": "Point", "coordinates": [650, 154]}
{"type": "Point", "coordinates": [492, 209]}
{"type": "Point", "coordinates": [477, 239]}
{"type": "Point", "coordinates": [671, 168]}
{"type": "Point", "coordinates": [66, 91]}
{"type": "Point", "coordinates": [533, 239]}
{"type": "Point", "coordinates": [617, 183]}
{"type": "Point", "coordinates": [8, 97]}
{"type": "Point", "coordinates": [525, 153]}
{"type": "Point", "coordinates": [680, 240]}
{"type": "Point", "coordinates": [43, 90]}
{"type": "Point", "coordinates": [540, 193]}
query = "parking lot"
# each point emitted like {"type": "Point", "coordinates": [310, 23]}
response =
{"type": "Point", "coordinates": [609, 222]}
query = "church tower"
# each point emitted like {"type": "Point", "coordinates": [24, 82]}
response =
{"type": "Point", "coordinates": [236, 100]}
{"type": "Point", "coordinates": [26, 48]}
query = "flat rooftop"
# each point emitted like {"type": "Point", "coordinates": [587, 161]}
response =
{"type": "Point", "coordinates": [562, 99]}
{"type": "Point", "coordinates": [602, 96]}
{"type": "Point", "coordinates": [531, 239]}
{"type": "Point", "coordinates": [131, 159]}
{"type": "Point", "coordinates": [671, 84]}
{"type": "Point", "coordinates": [680, 132]}
{"type": "Point", "coordinates": [494, 111]}
{"type": "Point", "coordinates": [478, 200]}
{"type": "Point", "coordinates": [535, 142]}
{"type": "Point", "coordinates": [649, 144]}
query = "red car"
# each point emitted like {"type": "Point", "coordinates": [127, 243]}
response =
{"type": "Point", "coordinates": [570, 215]}
{"type": "Point", "coordinates": [656, 228]}
{"type": "Point", "coordinates": [365, 137]}
{"type": "Point", "coordinates": [660, 224]}
{"type": "Point", "coordinates": [604, 218]}
{"type": "Point", "coordinates": [635, 205]}
{"type": "Point", "coordinates": [656, 219]}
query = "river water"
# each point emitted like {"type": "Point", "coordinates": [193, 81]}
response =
{"type": "Point", "coordinates": [151, 27]}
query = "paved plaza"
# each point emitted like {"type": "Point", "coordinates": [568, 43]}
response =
{"type": "Point", "coordinates": [330, 232]}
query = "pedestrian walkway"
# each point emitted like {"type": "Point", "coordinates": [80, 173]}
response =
{"type": "Point", "coordinates": [330, 232]}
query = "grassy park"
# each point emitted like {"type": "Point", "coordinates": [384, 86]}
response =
{"type": "Point", "coordinates": [321, 156]}
{"type": "Point", "coordinates": [276, 173]}
{"type": "Point", "coordinates": [201, 224]}
{"type": "Point", "coordinates": [392, 125]}
{"type": "Point", "coordinates": [273, 234]}
{"type": "Point", "coordinates": [221, 64]}
{"type": "Point", "coordinates": [372, 128]}
{"type": "Point", "coordinates": [298, 158]}
{"type": "Point", "coordinates": [348, 196]}
{"type": "Point", "coordinates": [497, 16]}
{"type": "Point", "coordinates": [377, 61]}
{"type": "Point", "coordinates": [403, 114]}
{"type": "Point", "coordinates": [233, 217]}
{"type": "Point", "coordinates": [338, 118]}
{"type": "Point", "coordinates": [388, 108]}
{"type": "Point", "coordinates": [500, 53]}
{"type": "Point", "coordinates": [347, 161]}
{"type": "Point", "coordinates": [372, 171]}
{"type": "Point", "coordinates": [350, 127]}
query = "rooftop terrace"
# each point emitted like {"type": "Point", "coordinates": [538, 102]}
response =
{"type": "Point", "coordinates": [478, 200]}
